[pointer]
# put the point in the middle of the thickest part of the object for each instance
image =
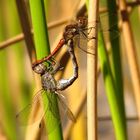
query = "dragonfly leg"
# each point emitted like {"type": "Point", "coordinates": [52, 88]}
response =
{"type": "Point", "coordinates": [86, 35]}
{"type": "Point", "coordinates": [56, 68]}
{"type": "Point", "coordinates": [51, 61]}
{"type": "Point", "coordinates": [64, 83]}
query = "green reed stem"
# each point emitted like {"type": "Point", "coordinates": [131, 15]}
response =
{"type": "Point", "coordinates": [43, 49]}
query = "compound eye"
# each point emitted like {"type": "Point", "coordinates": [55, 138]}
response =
{"type": "Point", "coordinates": [39, 69]}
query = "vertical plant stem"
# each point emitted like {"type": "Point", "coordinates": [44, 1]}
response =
{"type": "Point", "coordinates": [25, 23]}
{"type": "Point", "coordinates": [92, 74]}
{"type": "Point", "coordinates": [40, 28]}
{"type": "Point", "coordinates": [131, 52]}
{"type": "Point", "coordinates": [24, 86]}
{"type": "Point", "coordinates": [43, 49]}
{"type": "Point", "coordinates": [111, 91]}
{"type": "Point", "coordinates": [115, 59]}
{"type": "Point", "coordinates": [116, 63]}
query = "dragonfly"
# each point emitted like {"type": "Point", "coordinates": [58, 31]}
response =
{"type": "Point", "coordinates": [50, 87]}
{"type": "Point", "coordinates": [79, 31]}
{"type": "Point", "coordinates": [69, 33]}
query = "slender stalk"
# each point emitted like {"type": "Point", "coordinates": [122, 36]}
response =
{"type": "Point", "coordinates": [131, 52]}
{"type": "Point", "coordinates": [43, 49]}
{"type": "Point", "coordinates": [92, 74]}
{"type": "Point", "coordinates": [111, 90]}
{"type": "Point", "coordinates": [25, 24]}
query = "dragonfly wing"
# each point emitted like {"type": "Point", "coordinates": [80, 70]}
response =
{"type": "Point", "coordinates": [51, 117]}
{"type": "Point", "coordinates": [33, 112]}
{"type": "Point", "coordinates": [82, 40]}
{"type": "Point", "coordinates": [104, 20]}
{"type": "Point", "coordinates": [66, 108]}
{"type": "Point", "coordinates": [110, 31]}
{"type": "Point", "coordinates": [110, 35]}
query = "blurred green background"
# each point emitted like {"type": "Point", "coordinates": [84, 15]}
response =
{"type": "Point", "coordinates": [17, 84]}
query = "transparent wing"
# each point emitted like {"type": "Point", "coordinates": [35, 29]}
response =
{"type": "Point", "coordinates": [51, 117]}
{"type": "Point", "coordinates": [66, 108]}
{"type": "Point", "coordinates": [110, 32]}
{"type": "Point", "coordinates": [44, 106]}
{"type": "Point", "coordinates": [33, 112]}
{"type": "Point", "coordinates": [108, 29]}
{"type": "Point", "coordinates": [104, 20]}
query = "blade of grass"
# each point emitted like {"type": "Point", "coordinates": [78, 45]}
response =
{"type": "Point", "coordinates": [116, 56]}
{"type": "Point", "coordinates": [116, 65]}
{"type": "Point", "coordinates": [111, 91]}
{"type": "Point", "coordinates": [42, 49]}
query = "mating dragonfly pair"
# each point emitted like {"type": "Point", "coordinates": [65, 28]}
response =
{"type": "Point", "coordinates": [49, 83]}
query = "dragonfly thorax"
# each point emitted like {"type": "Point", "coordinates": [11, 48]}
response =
{"type": "Point", "coordinates": [48, 82]}
{"type": "Point", "coordinates": [70, 32]}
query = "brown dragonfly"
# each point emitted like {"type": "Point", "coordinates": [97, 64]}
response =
{"type": "Point", "coordinates": [79, 31]}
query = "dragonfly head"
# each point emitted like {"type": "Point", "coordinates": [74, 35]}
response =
{"type": "Point", "coordinates": [40, 68]}
{"type": "Point", "coordinates": [82, 22]}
